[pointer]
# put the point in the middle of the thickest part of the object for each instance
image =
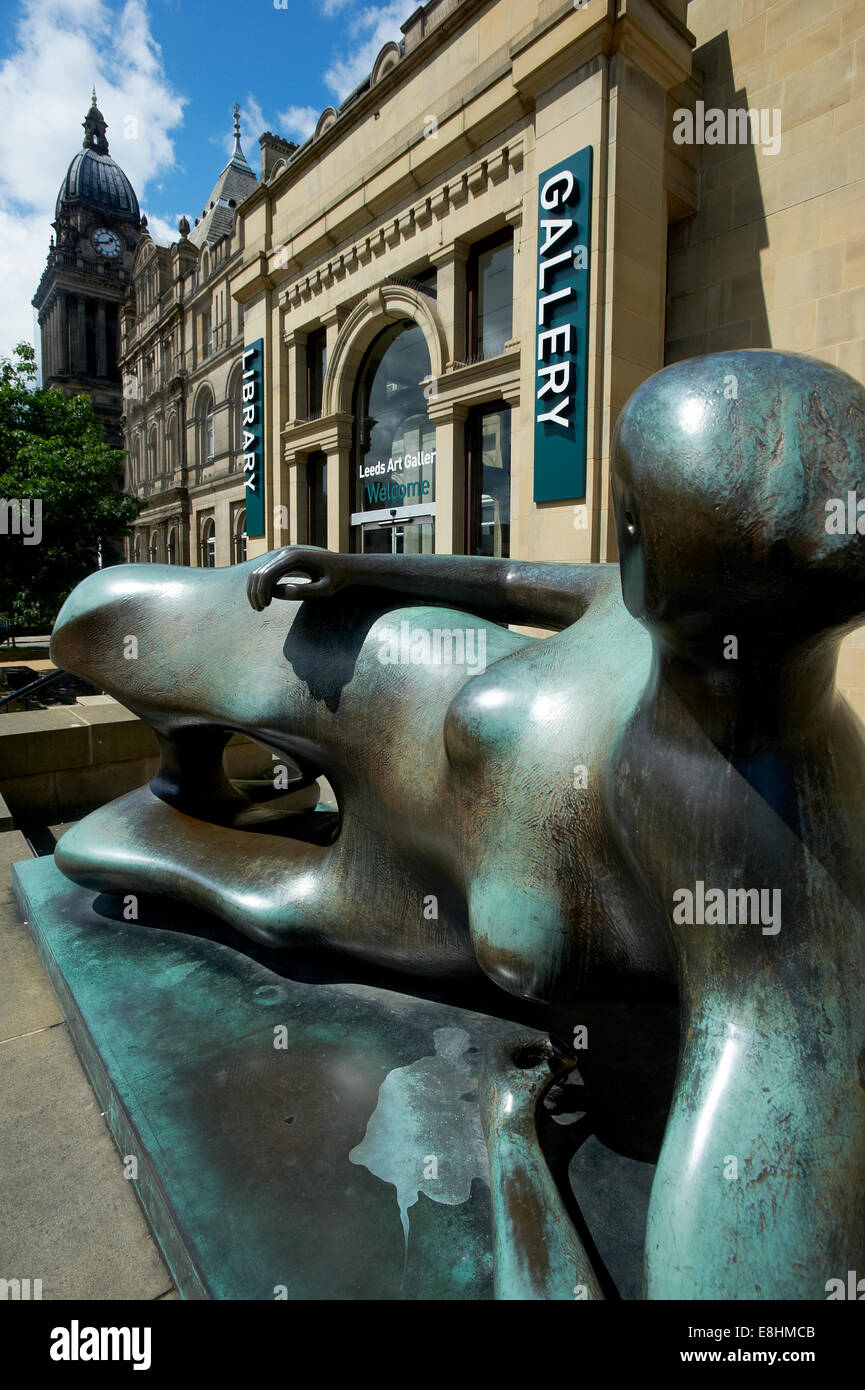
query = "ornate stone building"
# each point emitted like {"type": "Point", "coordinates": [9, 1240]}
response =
{"type": "Point", "coordinates": [461, 276]}
{"type": "Point", "coordinates": [448, 292]}
{"type": "Point", "coordinates": [88, 272]}
{"type": "Point", "coordinates": [181, 350]}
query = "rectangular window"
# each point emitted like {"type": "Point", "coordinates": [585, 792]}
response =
{"type": "Point", "coordinates": [316, 361]}
{"type": "Point", "coordinates": [490, 282]}
{"type": "Point", "coordinates": [316, 500]}
{"type": "Point", "coordinates": [204, 336]}
{"type": "Point", "coordinates": [488, 481]}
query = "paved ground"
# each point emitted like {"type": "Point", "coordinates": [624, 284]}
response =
{"type": "Point", "coordinates": [67, 1214]}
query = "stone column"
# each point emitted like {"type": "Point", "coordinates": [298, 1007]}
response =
{"type": "Point", "coordinates": [518, 503]}
{"type": "Point", "coordinates": [81, 346]}
{"type": "Point", "coordinates": [101, 340]}
{"type": "Point", "coordinates": [294, 492]}
{"type": "Point", "coordinates": [332, 322]}
{"type": "Point", "coordinates": [451, 295]}
{"type": "Point", "coordinates": [63, 361]}
{"type": "Point", "coordinates": [450, 475]}
{"type": "Point", "coordinates": [295, 348]}
{"type": "Point", "coordinates": [337, 447]}
{"type": "Point", "coordinates": [47, 347]}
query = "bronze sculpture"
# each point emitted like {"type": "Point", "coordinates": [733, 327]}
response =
{"type": "Point", "coordinates": [666, 793]}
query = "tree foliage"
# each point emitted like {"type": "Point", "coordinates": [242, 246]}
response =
{"type": "Point", "coordinates": [52, 449]}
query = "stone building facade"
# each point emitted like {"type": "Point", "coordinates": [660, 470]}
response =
{"type": "Point", "coordinates": [87, 274]}
{"type": "Point", "coordinates": [389, 276]}
{"type": "Point", "coordinates": [403, 237]}
{"type": "Point", "coordinates": [775, 254]}
{"type": "Point", "coordinates": [180, 358]}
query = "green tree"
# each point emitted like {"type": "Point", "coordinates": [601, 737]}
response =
{"type": "Point", "coordinates": [53, 451]}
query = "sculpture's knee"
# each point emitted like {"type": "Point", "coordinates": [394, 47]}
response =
{"type": "Point", "coordinates": [520, 940]}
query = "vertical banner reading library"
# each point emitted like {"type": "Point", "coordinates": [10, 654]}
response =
{"type": "Point", "coordinates": [562, 329]}
{"type": "Point", "coordinates": [252, 424]}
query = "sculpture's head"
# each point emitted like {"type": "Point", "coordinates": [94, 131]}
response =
{"type": "Point", "coordinates": [732, 478]}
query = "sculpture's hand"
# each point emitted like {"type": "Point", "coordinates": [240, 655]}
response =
{"type": "Point", "coordinates": [325, 574]}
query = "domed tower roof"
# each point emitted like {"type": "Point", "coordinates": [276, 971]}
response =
{"type": "Point", "coordinates": [94, 178]}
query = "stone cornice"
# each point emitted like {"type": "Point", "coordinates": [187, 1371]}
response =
{"type": "Point", "coordinates": [645, 31]}
{"type": "Point", "coordinates": [477, 382]}
{"type": "Point", "coordinates": [473, 182]}
{"type": "Point", "coordinates": [387, 85]}
{"type": "Point", "coordinates": [222, 482]}
{"type": "Point", "coordinates": [654, 41]}
{"type": "Point", "coordinates": [251, 279]}
{"type": "Point", "coordinates": [329, 434]}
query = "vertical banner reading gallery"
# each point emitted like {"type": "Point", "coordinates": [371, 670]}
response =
{"type": "Point", "coordinates": [252, 424]}
{"type": "Point", "coordinates": [562, 332]}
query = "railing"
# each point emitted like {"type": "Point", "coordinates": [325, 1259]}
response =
{"type": "Point", "coordinates": [34, 685]}
{"type": "Point", "coordinates": [221, 335]}
{"type": "Point", "coordinates": [419, 286]}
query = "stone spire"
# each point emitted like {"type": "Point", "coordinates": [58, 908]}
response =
{"type": "Point", "coordinates": [237, 152]}
{"type": "Point", "coordinates": [94, 129]}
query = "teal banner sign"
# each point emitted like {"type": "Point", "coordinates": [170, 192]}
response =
{"type": "Point", "coordinates": [562, 331]}
{"type": "Point", "coordinates": [252, 424]}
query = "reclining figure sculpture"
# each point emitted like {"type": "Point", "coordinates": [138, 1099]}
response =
{"type": "Point", "coordinates": [668, 792]}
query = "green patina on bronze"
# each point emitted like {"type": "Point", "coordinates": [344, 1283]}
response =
{"type": "Point", "coordinates": [699, 696]}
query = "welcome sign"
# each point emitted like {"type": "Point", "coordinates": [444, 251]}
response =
{"type": "Point", "coordinates": [397, 481]}
{"type": "Point", "coordinates": [252, 424]}
{"type": "Point", "coordinates": [562, 328]}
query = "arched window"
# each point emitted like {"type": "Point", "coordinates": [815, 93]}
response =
{"type": "Point", "coordinates": [205, 428]}
{"type": "Point", "coordinates": [171, 548]}
{"type": "Point", "coordinates": [239, 536]}
{"type": "Point", "coordinates": [208, 431]}
{"type": "Point", "coordinates": [393, 479]}
{"type": "Point", "coordinates": [171, 444]}
{"type": "Point", "coordinates": [235, 423]}
{"type": "Point", "coordinates": [153, 553]}
{"type": "Point", "coordinates": [208, 544]}
{"type": "Point", "coordinates": [152, 455]}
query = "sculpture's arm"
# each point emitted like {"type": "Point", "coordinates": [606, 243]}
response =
{"type": "Point", "coordinates": [537, 1252]}
{"type": "Point", "coordinates": [505, 591]}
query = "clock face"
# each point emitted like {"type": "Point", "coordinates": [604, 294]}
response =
{"type": "Point", "coordinates": [106, 243]}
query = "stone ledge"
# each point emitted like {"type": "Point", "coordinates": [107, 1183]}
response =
{"type": "Point", "coordinates": [58, 764]}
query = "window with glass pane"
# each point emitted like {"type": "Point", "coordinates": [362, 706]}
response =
{"type": "Point", "coordinates": [208, 431]}
{"type": "Point", "coordinates": [316, 362]}
{"type": "Point", "coordinates": [394, 447]}
{"type": "Point", "coordinates": [491, 290]}
{"type": "Point", "coordinates": [240, 536]}
{"type": "Point", "coordinates": [316, 500]}
{"type": "Point", "coordinates": [488, 479]}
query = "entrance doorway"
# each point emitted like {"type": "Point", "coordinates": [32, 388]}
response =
{"type": "Point", "coordinates": [408, 536]}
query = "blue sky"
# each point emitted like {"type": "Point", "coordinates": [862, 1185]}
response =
{"type": "Point", "coordinates": [167, 73]}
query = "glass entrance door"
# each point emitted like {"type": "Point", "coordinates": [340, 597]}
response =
{"type": "Point", "coordinates": [412, 536]}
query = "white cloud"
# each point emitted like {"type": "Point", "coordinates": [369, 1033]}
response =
{"type": "Point", "coordinates": [369, 31]}
{"type": "Point", "coordinates": [163, 230]}
{"type": "Point", "coordinates": [252, 124]}
{"type": "Point", "coordinates": [58, 51]}
{"type": "Point", "coordinates": [365, 32]}
{"type": "Point", "coordinates": [298, 122]}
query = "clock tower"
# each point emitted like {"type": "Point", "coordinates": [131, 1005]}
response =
{"type": "Point", "coordinates": [86, 277]}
